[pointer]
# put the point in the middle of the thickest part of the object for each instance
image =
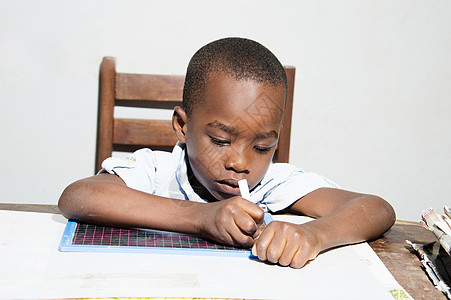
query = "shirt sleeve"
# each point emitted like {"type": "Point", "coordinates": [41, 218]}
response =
{"type": "Point", "coordinates": [136, 170]}
{"type": "Point", "coordinates": [291, 186]}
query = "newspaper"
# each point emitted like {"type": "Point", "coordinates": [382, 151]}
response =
{"type": "Point", "coordinates": [436, 262]}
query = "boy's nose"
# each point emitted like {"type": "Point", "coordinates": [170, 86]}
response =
{"type": "Point", "coordinates": [238, 160]}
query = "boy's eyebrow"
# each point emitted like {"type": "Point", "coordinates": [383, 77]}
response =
{"type": "Point", "coordinates": [233, 131]}
{"type": "Point", "coordinates": [229, 129]}
{"type": "Point", "coordinates": [267, 135]}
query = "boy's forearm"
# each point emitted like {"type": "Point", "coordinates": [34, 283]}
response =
{"type": "Point", "coordinates": [112, 203]}
{"type": "Point", "coordinates": [363, 218]}
{"type": "Point", "coordinates": [359, 218]}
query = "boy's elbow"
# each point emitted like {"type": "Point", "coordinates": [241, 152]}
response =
{"type": "Point", "coordinates": [69, 201]}
{"type": "Point", "coordinates": [387, 213]}
{"type": "Point", "coordinates": [392, 214]}
{"type": "Point", "coordinates": [64, 202]}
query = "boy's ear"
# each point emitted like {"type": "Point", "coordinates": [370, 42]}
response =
{"type": "Point", "coordinates": [179, 123]}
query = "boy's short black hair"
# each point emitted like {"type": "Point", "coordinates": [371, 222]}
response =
{"type": "Point", "coordinates": [240, 58]}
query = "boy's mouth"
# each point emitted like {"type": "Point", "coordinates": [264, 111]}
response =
{"type": "Point", "coordinates": [229, 186]}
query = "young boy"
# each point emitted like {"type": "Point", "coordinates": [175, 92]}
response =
{"type": "Point", "coordinates": [233, 103]}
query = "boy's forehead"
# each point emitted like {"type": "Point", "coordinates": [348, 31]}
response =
{"type": "Point", "coordinates": [228, 86]}
{"type": "Point", "coordinates": [234, 99]}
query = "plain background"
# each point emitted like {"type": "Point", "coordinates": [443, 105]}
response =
{"type": "Point", "coordinates": [372, 96]}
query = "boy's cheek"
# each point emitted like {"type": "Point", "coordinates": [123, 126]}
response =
{"type": "Point", "coordinates": [205, 168]}
{"type": "Point", "coordinates": [205, 154]}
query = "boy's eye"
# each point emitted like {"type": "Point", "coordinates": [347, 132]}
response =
{"type": "Point", "coordinates": [219, 142]}
{"type": "Point", "coordinates": [262, 150]}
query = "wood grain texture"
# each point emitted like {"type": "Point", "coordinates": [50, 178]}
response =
{"type": "Point", "coordinates": [282, 153]}
{"type": "Point", "coordinates": [149, 87]}
{"type": "Point", "coordinates": [105, 110]}
{"type": "Point", "coordinates": [401, 259]}
{"type": "Point", "coordinates": [143, 132]}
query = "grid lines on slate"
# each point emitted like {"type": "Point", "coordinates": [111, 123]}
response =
{"type": "Point", "coordinates": [88, 234]}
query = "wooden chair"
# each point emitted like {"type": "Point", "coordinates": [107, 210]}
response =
{"type": "Point", "coordinates": [153, 91]}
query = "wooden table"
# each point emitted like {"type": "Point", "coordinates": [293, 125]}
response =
{"type": "Point", "coordinates": [401, 260]}
{"type": "Point", "coordinates": [399, 257]}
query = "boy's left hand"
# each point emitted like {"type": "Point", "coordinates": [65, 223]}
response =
{"type": "Point", "coordinates": [287, 244]}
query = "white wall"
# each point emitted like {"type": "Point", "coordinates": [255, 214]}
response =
{"type": "Point", "coordinates": [372, 108]}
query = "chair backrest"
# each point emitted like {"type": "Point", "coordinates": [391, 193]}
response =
{"type": "Point", "coordinates": [154, 91]}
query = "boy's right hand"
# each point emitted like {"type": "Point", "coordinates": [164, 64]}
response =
{"type": "Point", "coordinates": [234, 221]}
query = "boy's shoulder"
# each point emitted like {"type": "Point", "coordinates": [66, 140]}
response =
{"type": "Point", "coordinates": [147, 170]}
{"type": "Point", "coordinates": [145, 159]}
{"type": "Point", "coordinates": [284, 172]}
{"type": "Point", "coordinates": [277, 170]}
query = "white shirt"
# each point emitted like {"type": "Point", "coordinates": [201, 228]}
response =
{"type": "Point", "coordinates": [165, 174]}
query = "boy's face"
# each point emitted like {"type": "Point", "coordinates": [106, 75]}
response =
{"type": "Point", "coordinates": [232, 134]}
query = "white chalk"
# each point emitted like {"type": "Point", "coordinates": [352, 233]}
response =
{"type": "Point", "coordinates": [244, 189]}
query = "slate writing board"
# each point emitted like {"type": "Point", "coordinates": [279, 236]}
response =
{"type": "Point", "coordinates": [81, 237]}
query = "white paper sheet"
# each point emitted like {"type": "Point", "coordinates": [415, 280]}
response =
{"type": "Point", "coordinates": [32, 267]}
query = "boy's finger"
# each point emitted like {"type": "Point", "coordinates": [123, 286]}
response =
{"type": "Point", "coordinates": [242, 240]}
{"type": "Point", "coordinates": [262, 244]}
{"type": "Point", "coordinates": [289, 252]}
{"type": "Point", "coordinates": [254, 250]}
{"type": "Point", "coordinates": [254, 211]}
{"type": "Point", "coordinates": [276, 248]}
{"type": "Point", "coordinates": [246, 224]}
{"type": "Point", "coordinates": [259, 230]}
{"type": "Point", "coordinates": [239, 237]}
{"type": "Point", "coordinates": [300, 258]}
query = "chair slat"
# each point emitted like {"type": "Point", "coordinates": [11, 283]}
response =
{"type": "Point", "coordinates": [143, 132]}
{"type": "Point", "coordinates": [283, 147]}
{"type": "Point", "coordinates": [149, 87]}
